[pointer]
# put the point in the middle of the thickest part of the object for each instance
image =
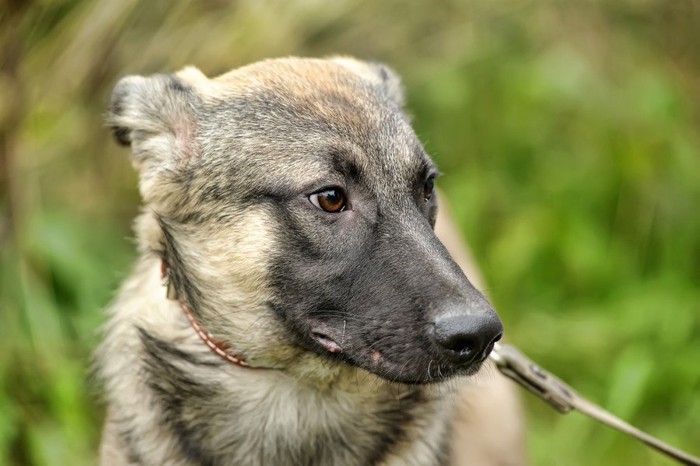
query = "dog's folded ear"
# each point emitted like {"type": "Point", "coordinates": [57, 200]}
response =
{"type": "Point", "coordinates": [379, 74]}
{"type": "Point", "coordinates": [155, 116]}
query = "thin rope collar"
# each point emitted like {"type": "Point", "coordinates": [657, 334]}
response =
{"type": "Point", "coordinates": [216, 346]}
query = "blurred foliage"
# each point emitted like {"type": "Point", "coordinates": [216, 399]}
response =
{"type": "Point", "coordinates": [568, 132]}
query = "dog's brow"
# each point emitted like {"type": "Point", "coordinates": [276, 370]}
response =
{"type": "Point", "coordinates": [344, 164]}
{"type": "Point", "coordinates": [427, 166]}
{"type": "Point", "coordinates": [278, 193]}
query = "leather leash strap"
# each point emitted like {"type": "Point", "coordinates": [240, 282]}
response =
{"type": "Point", "coordinates": [516, 366]}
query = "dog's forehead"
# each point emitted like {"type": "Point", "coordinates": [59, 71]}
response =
{"type": "Point", "coordinates": [296, 78]}
{"type": "Point", "coordinates": [303, 113]}
{"type": "Point", "coordinates": [293, 74]}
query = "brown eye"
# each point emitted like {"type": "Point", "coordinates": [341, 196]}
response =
{"type": "Point", "coordinates": [428, 189]}
{"type": "Point", "coordinates": [330, 200]}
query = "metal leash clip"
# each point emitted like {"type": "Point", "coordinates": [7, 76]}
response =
{"type": "Point", "coordinates": [518, 367]}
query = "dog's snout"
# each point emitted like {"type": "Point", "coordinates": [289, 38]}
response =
{"type": "Point", "coordinates": [468, 337]}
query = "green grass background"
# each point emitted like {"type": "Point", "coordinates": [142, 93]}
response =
{"type": "Point", "coordinates": [567, 132]}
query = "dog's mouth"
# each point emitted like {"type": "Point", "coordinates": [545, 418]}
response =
{"type": "Point", "coordinates": [326, 342]}
{"type": "Point", "coordinates": [409, 364]}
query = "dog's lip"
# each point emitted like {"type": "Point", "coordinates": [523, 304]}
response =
{"type": "Point", "coordinates": [376, 363]}
{"type": "Point", "coordinates": [437, 371]}
{"type": "Point", "coordinates": [329, 339]}
{"type": "Point", "coordinates": [394, 372]}
{"type": "Point", "coordinates": [326, 341]}
{"type": "Point", "coordinates": [381, 364]}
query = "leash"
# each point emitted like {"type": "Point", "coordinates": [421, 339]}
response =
{"type": "Point", "coordinates": [516, 366]}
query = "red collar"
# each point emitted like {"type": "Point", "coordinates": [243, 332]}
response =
{"type": "Point", "coordinates": [217, 347]}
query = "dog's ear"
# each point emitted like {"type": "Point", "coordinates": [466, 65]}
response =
{"type": "Point", "coordinates": [155, 116]}
{"type": "Point", "coordinates": [378, 74]}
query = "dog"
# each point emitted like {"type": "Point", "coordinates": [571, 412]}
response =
{"type": "Point", "coordinates": [292, 304]}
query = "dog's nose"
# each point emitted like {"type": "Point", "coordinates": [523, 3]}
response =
{"type": "Point", "coordinates": [468, 337]}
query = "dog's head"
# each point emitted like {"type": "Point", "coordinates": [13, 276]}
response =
{"type": "Point", "coordinates": [295, 205]}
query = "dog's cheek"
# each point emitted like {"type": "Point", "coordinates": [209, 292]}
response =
{"type": "Point", "coordinates": [308, 280]}
{"type": "Point", "coordinates": [230, 267]}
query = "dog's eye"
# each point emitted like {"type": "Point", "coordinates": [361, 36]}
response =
{"type": "Point", "coordinates": [428, 188]}
{"type": "Point", "coordinates": [330, 200]}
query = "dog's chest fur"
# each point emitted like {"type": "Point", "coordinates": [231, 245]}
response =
{"type": "Point", "coordinates": [174, 402]}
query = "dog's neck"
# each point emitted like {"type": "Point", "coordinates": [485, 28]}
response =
{"type": "Point", "coordinates": [217, 347]}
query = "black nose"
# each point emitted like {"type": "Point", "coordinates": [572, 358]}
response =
{"type": "Point", "coordinates": [468, 337]}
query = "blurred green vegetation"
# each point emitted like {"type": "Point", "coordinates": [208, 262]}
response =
{"type": "Point", "coordinates": [568, 132]}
